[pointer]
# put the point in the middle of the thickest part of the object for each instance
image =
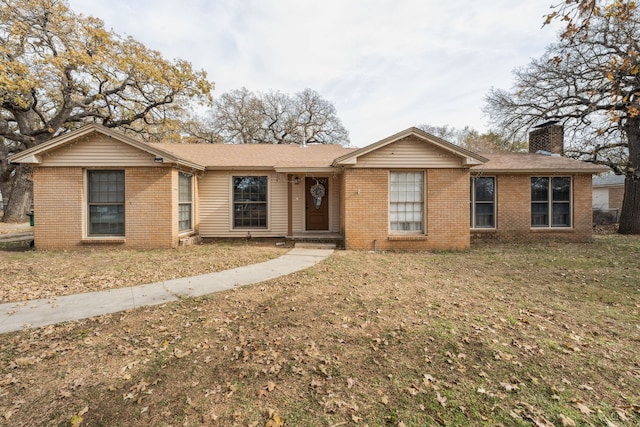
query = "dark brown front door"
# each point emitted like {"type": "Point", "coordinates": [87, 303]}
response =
{"type": "Point", "coordinates": [317, 203]}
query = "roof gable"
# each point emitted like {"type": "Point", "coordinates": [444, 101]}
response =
{"type": "Point", "coordinates": [35, 155]}
{"type": "Point", "coordinates": [437, 146]}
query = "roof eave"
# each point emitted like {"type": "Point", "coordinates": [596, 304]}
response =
{"type": "Point", "coordinates": [302, 169]}
{"type": "Point", "coordinates": [537, 171]}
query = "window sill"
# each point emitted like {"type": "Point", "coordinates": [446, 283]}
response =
{"type": "Point", "coordinates": [407, 237]}
{"type": "Point", "coordinates": [102, 240]}
{"type": "Point", "coordinates": [481, 229]}
{"type": "Point", "coordinates": [552, 229]}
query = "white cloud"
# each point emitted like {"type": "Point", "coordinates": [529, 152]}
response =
{"type": "Point", "coordinates": [384, 64]}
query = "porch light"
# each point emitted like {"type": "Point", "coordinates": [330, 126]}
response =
{"type": "Point", "coordinates": [296, 180]}
{"type": "Point", "coordinates": [158, 159]}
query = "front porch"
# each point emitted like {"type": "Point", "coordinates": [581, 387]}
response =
{"type": "Point", "coordinates": [317, 238]}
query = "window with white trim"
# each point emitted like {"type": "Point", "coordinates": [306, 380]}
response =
{"type": "Point", "coordinates": [550, 202]}
{"type": "Point", "coordinates": [406, 202]}
{"type": "Point", "coordinates": [483, 197]}
{"type": "Point", "coordinates": [185, 202]}
{"type": "Point", "coordinates": [105, 196]}
{"type": "Point", "coordinates": [250, 202]}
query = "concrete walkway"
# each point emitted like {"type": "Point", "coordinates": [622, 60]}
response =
{"type": "Point", "coordinates": [34, 313]}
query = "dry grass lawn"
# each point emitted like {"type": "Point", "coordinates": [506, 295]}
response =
{"type": "Point", "coordinates": [26, 275]}
{"type": "Point", "coordinates": [543, 334]}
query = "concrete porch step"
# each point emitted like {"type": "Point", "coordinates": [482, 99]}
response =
{"type": "Point", "coordinates": [314, 245]}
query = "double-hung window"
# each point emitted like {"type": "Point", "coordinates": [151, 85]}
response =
{"type": "Point", "coordinates": [483, 194]}
{"type": "Point", "coordinates": [105, 202]}
{"type": "Point", "coordinates": [550, 202]}
{"type": "Point", "coordinates": [406, 202]}
{"type": "Point", "coordinates": [250, 202]}
{"type": "Point", "coordinates": [185, 202]}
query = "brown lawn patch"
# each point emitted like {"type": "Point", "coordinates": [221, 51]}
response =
{"type": "Point", "coordinates": [28, 275]}
{"type": "Point", "coordinates": [497, 335]}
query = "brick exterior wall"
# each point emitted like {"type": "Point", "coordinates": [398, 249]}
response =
{"type": "Point", "coordinates": [513, 212]}
{"type": "Point", "coordinates": [365, 211]}
{"type": "Point", "coordinates": [57, 197]}
{"type": "Point", "coordinates": [547, 138]}
{"type": "Point", "coordinates": [151, 208]}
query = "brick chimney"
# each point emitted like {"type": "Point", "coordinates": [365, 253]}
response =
{"type": "Point", "coordinates": [547, 137]}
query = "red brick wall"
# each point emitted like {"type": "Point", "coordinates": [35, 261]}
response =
{"type": "Point", "coordinates": [151, 212]}
{"type": "Point", "coordinates": [513, 193]}
{"type": "Point", "coordinates": [366, 211]}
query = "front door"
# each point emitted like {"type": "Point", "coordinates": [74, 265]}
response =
{"type": "Point", "coordinates": [317, 203]}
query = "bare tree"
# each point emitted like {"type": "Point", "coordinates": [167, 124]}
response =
{"type": "Point", "coordinates": [446, 132]}
{"type": "Point", "coordinates": [237, 117]}
{"type": "Point", "coordinates": [59, 70]}
{"type": "Point", "coordinates": [491, 142]}
{"type": "Point", "coordinates": [591, 84]}
{"type": "Point", "coordinates": [471, 139]}
{"type": "Point", "coordinates": [243, 117]}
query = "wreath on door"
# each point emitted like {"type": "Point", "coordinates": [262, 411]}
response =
{"type": "Point", "coordinates": [317, 192]}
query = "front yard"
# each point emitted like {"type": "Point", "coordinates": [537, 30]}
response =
{"type": "Point", "coordinates": [543, 334]}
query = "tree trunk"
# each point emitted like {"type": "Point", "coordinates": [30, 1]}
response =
{"type": "Point", "coordinates": [5, 183]}
{"type": "Point", "coordinates": [630, 214]}
{"type": "Point", "coordinates": [19, 203]}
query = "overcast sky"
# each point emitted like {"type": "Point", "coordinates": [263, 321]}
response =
{"type": "Point", "coordinates": [386, 65]}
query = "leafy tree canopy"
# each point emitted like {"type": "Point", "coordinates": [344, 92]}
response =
{"type": "Point", "coordinates": [59, 70]}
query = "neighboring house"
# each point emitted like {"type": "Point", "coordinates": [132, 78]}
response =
{"type": "Point", "coordinates": [410, 191]}
{"type": "Point", "coordinates": [608, 192]}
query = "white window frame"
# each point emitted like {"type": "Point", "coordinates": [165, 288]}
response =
{"type": "Point", "coordinates": [550, 202]}
{"type": "Point", "coordinates": [91, 203]}
{"type": "Point", "coordinates": [185, 202]}
{"type": "Point", "coordinates": [404, 201]}
{"type": "Point", "coordinates": [474, 204]}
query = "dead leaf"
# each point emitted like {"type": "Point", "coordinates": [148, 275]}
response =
{"type": "Point", "coordinates": [622, 414]}
{"type": "Point", "coordinates": [385, 400]}
{"type": "Point", "coordinates": [441, 399]}
{"type": "Point", "coordinates": [610, 423]}
{"type": "Point", "coordinates": [275, 421]}
{"type": "Point", "coordinates": [75, 421]}
{"type": "Point", "coordinates": [509, 387]}
{"type": "Point", "coordinates": [566, 421]}
{"type": "Point", "coordinates": [582, 407]}
{"type": "Point", "coordinates": [270, 386]}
